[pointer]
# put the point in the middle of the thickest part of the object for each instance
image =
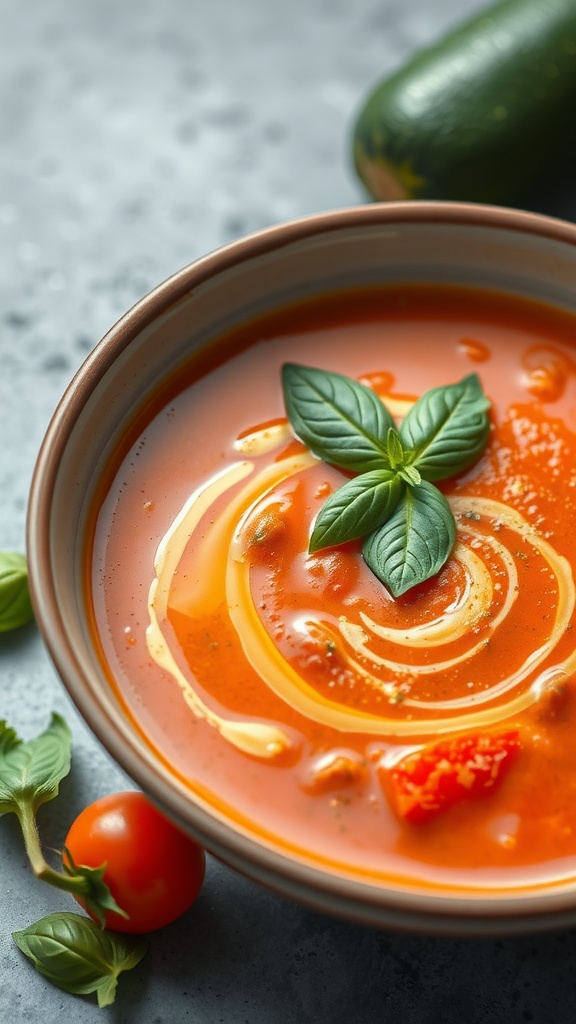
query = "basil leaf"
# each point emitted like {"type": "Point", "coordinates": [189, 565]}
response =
{"type": "Point", "coordinates": [8, 738]}
{"type": "Point", "coordinates": [357, 508]}
{"type": "Point", "coordinates": [395, 448]}
{"type": "Point", "coordinates": [15, 604]}
{"type": "Point", "coordinates": [410, 474]}
{"type": "Point", "coordinates": [30, 773]}
{"type": "Point", "coordinates": [76, 955]}
{"type": "Point", "coordinates": [340, 420]}
{"type": "Point", "coordinates": [447, 428]}
{"type": "Point", "coordinates": [413, 545]}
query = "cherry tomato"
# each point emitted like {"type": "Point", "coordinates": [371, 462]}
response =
{"type": "Point", "coordinates": [153, 870]}
{"type": "Point", "coordinates": [431, 780]}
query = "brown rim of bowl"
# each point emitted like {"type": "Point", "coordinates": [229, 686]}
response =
{"type": "Point", "coordinates": [541, 908]}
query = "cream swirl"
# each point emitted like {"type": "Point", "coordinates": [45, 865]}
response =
{"type": "Point", "coordinates": [222, 553]}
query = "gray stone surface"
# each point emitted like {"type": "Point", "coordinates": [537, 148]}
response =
{"type": "Point", "coordinates": [135, 137]}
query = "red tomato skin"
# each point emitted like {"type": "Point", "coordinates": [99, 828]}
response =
{"type": "Point", "coordinates": [430, 781]}
{"type": "Point", "coordinates": [153, 869]}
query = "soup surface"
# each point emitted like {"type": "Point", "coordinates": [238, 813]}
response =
{"type": "Point", "coordinates": [428, 738]}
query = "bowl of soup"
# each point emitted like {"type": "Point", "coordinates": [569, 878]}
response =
{"type": "Point", "coordinates": [400, 755]}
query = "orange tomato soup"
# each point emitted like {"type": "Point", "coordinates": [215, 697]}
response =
{"type": "Point", "coordinates": [429, 739]}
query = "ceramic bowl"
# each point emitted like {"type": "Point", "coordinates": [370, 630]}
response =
{"type": "Point", "coordinates": [525, 254]}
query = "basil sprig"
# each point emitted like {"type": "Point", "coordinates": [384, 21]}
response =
{"type": "Point", "coordinates": [73, 952]}
{"type": "Point", "coordinates": [30, 775]}
{"type": "Point", "coordinates": [78, 956]}
{"type": "Point", "coordinates": [407, 522]}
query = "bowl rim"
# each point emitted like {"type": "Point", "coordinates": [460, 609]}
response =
{"type": "Point", "coordinates": [443, 912]}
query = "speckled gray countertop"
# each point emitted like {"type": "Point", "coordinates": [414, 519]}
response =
{"type": "Point", "coordinates": [136, 136]}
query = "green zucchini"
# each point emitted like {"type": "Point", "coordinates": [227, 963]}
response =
{"type": "Point", "coordinates": [485, 115]}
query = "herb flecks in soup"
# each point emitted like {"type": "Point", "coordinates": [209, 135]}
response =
{"type": "Point", "coordinates": [425, 731]}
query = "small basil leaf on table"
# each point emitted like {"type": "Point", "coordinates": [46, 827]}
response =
{"type": "Point", "coordinates": [447, 428]}
{"type": "Point", "coordinates": [15, 605]}
{"type": "Point", "coordinates": [78, 956]}
{"type": "Point", "coordinates": [340, 420]}
{"type": "Point", "coordinates": [358, 507]}
{"type": "Point", "coordinates": [30, 773]}
{"type": "Point", "coordinates": [413, 545]}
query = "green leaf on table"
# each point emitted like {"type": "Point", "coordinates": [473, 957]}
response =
{"type": "Point", "coordinates": [30, 773]}
{"type": "Point", "coordinates": [413, 545]}
{"type": "Point", "coordinates": [78, 956]}
{"type": "Point", "coordinates": [15, 604]}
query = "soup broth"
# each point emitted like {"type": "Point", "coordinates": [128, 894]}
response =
{"type": "Point", "coordinates": [428, 738]}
